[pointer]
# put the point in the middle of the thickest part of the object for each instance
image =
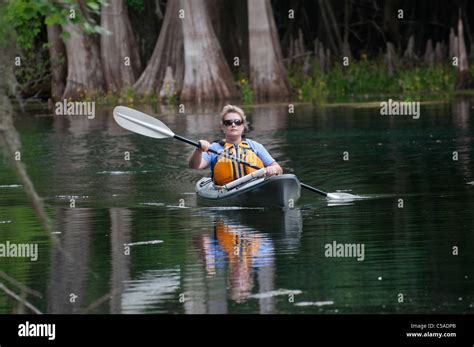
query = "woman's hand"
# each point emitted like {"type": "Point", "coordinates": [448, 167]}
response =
{"type": "Point", "coordinates": [271, 171]}
{"type": "Point", "coordinates": [274, 169]}
{"type": "Point", "coordinates": [204, 145]}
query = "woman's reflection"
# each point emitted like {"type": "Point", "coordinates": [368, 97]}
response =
{"type": "Point", "coordinates": [244, 250]}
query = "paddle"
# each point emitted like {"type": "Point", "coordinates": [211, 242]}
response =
{"type": "Point", "coordinates": [146, 125]}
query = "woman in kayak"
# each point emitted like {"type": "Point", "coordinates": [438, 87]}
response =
{"type": "Point", "coordinates": [233, 123]}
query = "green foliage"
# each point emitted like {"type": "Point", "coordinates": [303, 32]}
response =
{"type": "Point", "coordinates": [26, 18]}
{"type": "Point", "coordinates": [128, 96]}
{"type": "Point", "coordinates": [245, 88]}
{"type": "Point", "coordinates": [369, 77]}
{"type": "Point", "coordinates": [137, 5]}
{"type": "Point", "coordinates": [436, 79]}
{"type": "Point", "coordinates": [34, 75]}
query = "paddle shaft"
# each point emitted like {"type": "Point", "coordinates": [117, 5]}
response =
{"type": "Point", "coordinates": [197, 144]}
{"type": "Point", "coordinates": [313, 189]}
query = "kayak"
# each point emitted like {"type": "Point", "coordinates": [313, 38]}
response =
{"type": "Point", "coordinates": [252, 190]}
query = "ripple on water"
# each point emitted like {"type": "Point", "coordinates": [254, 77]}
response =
{"type": "Point", "coordinates": [152, 203]}
{"type": "Point", "coordinates": [66, 197]}
{"type": "Point", "coordinates": [273, 293]}
{"type": "Point", "coordinates": [314, 303]}
{"type": "Point", "coordinates": [141, 243]}
{"type": "Point", "coordinates": [118, 173]}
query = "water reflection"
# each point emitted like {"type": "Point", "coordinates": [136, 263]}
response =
{"type": "Point", "coordinates": [461, 108]}
{"type": "Point", "coordinates": [120, 231]}
{"type": "Point", "coordinates": [232, 261]}
{"type": "Point", "coordinates": [149, 290]}
{"type": "Point", "coordinates": [244, 251]}
{"type": "Point", "coordinates": [70, 264]}
{"type": "Point", "coordinates": [239, 257]}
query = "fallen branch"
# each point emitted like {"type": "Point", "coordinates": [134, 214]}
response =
{"type": "Point", "coordinates": [19, 299]}
{"type": "Point", "coordinates": [21, 285]}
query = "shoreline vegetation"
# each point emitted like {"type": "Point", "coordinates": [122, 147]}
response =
{"type": "Point", "coordinates": [363, 82]}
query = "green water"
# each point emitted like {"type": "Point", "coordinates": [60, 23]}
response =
{"type": "Point", "coordinates": [136, 242]}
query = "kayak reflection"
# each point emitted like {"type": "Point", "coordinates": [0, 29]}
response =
{"type": "Point", "coordinates": [242, 247]}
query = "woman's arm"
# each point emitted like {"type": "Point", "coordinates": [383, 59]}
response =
{"type": "Point", "coordinates": [196, 161]}
{"type": "Point", "coordinates": [274, 168]}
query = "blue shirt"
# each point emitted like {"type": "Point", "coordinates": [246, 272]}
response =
{"type": "Point", "coordinates": [258, 148]}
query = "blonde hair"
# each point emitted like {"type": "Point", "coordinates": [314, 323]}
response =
{"type": "Point", "coordinates": [234, 109]}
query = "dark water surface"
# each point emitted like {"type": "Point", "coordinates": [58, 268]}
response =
{"type": "Point", "coordinates": [137, 243]}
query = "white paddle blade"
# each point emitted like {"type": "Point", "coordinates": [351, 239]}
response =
{"type": "Point", "coordinates": [141, 123]}
{"type": "Point", "coordinates": [342, 196]}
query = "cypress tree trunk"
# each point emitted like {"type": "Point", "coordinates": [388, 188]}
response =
{"type": "Point", "coordinates": [83, 59]}
{"type": "Point", "coordinates": [464, 79]}
{"type": "Point", "coordinates": [207, 75]}
{"type": "Point", "coordinates": [168, 52]}
{"type": "Point", "coordinates": [119, 51]}
{"type": "Point", "coordinates": [391, 59]}
{"type": "Point", "coordinates": [57, 56]}
{"type": "Point", "coordinates": [267, 73]}
{"type": "Point", "coordinates": [346, 48]}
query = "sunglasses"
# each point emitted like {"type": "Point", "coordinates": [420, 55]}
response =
{"type": "Point", "coordinates": [229, 122]}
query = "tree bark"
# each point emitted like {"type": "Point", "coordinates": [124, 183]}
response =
{"type": "Point", "coordinates": [322, 58]}
{"type": "Point", "coordinates": [119, 51]}
{"type": "Point", "coordinates": [346, 48]}
{"type": "Point", "coordinates": [429, 53]}
{"type": "Point", "coordinates": [391, 59]}
{"type": "Point", "coordinates": [57, 56]}
{"type": "Point", "coordinates": [84, 65]}
{"type": "Point", "coordinates": [206, 73]}
{"type": "Point", "coordinates": [439, 52]}
{"type": "Point", "coordinates": [168, 52]}
{"type": "Point", "coordinates": [267, 73]}
{"type": "Point", "coordinates": [453, 44]}
{"type": "Point", "coordinates": [410, 51]}
{"type": "Point", "coordinates": [464, 79]}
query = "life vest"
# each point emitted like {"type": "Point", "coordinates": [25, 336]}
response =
{"type": "Point", "coordinates": [226, 170]}
{"type": "Point", "coordinates": [236, 245]}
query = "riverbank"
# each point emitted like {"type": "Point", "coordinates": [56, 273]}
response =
{"type": "Point", "coordinates": [365, 80]}
{"type": "Point", "coordinates": [362, 81]}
